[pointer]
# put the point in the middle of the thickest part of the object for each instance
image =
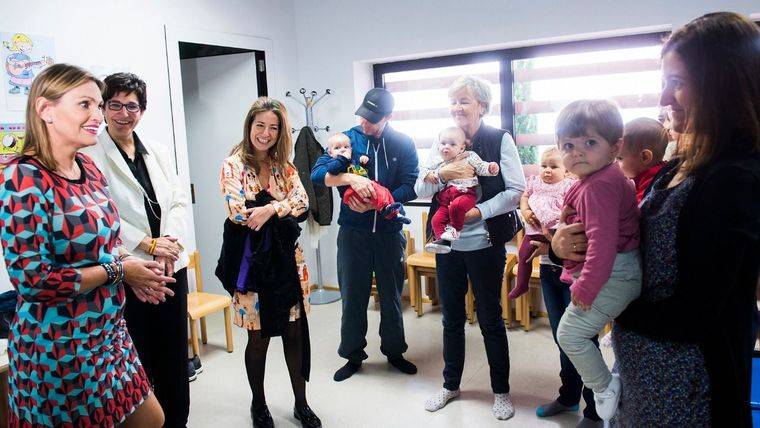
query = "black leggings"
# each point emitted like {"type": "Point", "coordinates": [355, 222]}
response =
{"type": "Point", "coordinates": [255, 360]}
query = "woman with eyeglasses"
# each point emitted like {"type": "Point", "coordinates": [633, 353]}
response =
{"type": "Point", "coordinates": [153, 208]}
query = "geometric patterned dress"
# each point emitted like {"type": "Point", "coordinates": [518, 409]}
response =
{"type": "Point", "coordinates": [72, 362]}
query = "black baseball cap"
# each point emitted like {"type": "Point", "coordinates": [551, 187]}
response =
{"type": "Point", "coordinates": [377, 104]}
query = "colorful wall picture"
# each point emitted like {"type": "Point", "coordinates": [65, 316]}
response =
{"type": "Point", "coordinates": [24, 56]}
{"type": "Point", "coordinates": [11, 142]}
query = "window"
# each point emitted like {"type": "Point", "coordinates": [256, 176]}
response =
{"type": "Point", "coordinates": [542, 86]}
{"type": "Point", "coordinates": [538, 81]}
{"type": "Point", "coordinates": [422, 102]}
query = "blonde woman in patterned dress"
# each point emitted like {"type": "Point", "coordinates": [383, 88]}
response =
{"type": "Point", "coordinates": [260, 163]}
{"type": "Point", "coordinates": [72, 362]}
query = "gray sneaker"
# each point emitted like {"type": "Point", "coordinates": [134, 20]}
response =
{"type": "Point", "coordinates": [191, 376]}
{"type": "Point", "coordinates": [197, 364]}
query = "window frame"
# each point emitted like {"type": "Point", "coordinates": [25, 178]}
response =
{"type": "Point", "coordinates": [505, 58]}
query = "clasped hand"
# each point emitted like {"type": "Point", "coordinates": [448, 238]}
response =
{"type": "Point", "coordinates": [167, 247]}
{"type": "Point", "coordinates": [147, 280]}
{"type": "Point", "coordinates": [257, 216]}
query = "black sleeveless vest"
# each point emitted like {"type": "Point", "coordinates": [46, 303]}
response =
{"type": "Point", "coordinates": [501, 228]}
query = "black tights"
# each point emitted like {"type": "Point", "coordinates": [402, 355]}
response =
{"type": "Point", "coordinates": [256, 356]}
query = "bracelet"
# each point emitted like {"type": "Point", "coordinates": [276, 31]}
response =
{"type": "Point", "coordinates": [152, 247]}
{"type": "Point", "coordinates": [111, 273]}
{"type": "Point", "coordinates": [119, 271]}
{"type": "Point", "coordinates": [114, 271]}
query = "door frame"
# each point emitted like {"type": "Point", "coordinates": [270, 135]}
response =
{"type": "Point", "coordinates": [172, 36]}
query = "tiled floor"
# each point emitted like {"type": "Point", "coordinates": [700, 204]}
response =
{"type": "Point", "coordinates": [379, 396]}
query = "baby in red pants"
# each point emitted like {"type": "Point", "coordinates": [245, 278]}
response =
{"type": "Point", "coordinates": [338, 160]}
{"type": "Point", "coordinates": [459, 195]}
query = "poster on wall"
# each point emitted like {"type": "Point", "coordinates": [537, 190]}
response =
{"type": "Point", "coordinates": [11, 142]}
{"type": "Point", "coordinates": [24, 56]}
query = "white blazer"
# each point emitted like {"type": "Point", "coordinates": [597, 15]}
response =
{"type": "Point", "coordinates": [130, 199]}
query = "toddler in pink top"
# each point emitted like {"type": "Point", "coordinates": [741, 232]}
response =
{"type": "Point", "coordinates": [541, 205]}
{"type": "Point", "coordinates": [589, 135]}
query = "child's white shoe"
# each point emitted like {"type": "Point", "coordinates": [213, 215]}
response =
{"type": "Point", "coordinates": [450, 234]}
{"type": "Point", "coordinates": [607, 400]}
{"type": "Point", "coordinates": [606, 340]}
{"type": "Point", "coordinates": [503, 408]}
{"type": "Point", "coordinates": [440, 399]}
{"type": "Point", "coordinates": [439, 246]}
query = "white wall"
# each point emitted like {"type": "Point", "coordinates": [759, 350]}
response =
{"type": "Point", "coordinates": [338, 40]}
{"type": "Point", "coordinates": [322, 44]}
{"type": "Point", "coordinates": [211, 127]}
{"type": "Point", "coordinates": [130, 35]}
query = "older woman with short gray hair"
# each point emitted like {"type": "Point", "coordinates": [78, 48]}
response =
{"type": "Point", "coordinates": [479, 252]}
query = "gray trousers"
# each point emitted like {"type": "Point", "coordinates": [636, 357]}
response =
{"type": "Point", "coordinates": [577, 327]}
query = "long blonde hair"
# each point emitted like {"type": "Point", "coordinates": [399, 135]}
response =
{"type": "Point", "coordinates": [279, 153]}
{"type": "Point", "coordinates": [52, 83]}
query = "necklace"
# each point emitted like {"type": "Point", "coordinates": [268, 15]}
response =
{"type": "Point", "coordinates": [72, 174]}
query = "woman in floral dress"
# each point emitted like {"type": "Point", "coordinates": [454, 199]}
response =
{"type": "Point", "coordinates": [260, 163]}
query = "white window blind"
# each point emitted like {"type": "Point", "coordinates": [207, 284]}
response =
{"type": "Point", "coordinates": [422, 102]}
{"type": "Point", "coordinates": [544, 85]}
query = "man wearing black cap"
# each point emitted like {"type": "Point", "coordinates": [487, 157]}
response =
{"type": "Point", "coordinates": [369, 243]}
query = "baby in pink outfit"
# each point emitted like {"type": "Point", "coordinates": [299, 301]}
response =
{"type": "Point", "coordinates": [540, 205]}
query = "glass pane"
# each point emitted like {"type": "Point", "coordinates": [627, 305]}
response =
{"type": "Point", "coordinates": [544, 85]}
{"type": "Point", "coordinates": [422, 103]}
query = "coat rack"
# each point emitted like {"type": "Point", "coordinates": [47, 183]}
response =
{"type": "Point", "coordinates": [320, 296]}
{"type": "Point", "coordinates": [308, 103]}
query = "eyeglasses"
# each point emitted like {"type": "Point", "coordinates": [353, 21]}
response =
{"type": "Point", "coordinates": [117, 106]}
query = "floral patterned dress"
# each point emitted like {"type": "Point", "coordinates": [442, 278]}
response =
{"type": "Point", "coordinates": [72, 362]}
{"type": "Point", "coordinates": [239, 182]}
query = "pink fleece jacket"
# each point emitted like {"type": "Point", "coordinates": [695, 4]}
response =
{"type": "Point", "coordinates": [606, 205]}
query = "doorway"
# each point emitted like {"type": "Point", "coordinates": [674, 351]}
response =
{"type": "Point", "coordinates": [213, 83]}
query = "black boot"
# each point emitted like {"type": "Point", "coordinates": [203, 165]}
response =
{"type": "Point", "coordinates": [307, 417]}
{"type": "Point", "coordinates": [261, 417]}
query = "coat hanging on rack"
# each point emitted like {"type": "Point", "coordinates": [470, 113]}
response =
{"type": "Point", "coordinates": [307, 150]}
{"type": "Point", "coordinates": [306, 156]}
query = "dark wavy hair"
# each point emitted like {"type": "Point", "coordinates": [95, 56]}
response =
{"type": "Point", "coordinates": [721, 52]}
{"type": "Point", "coordinates": [127, 83]}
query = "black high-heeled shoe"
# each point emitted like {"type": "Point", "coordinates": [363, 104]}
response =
{"type": "Point", "coordinates": [261, 417]}
{"type": "Point", "coordinates": [306, 416]}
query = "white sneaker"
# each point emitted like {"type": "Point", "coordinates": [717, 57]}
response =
{"type": "Point", "coordinates": [503, 408]}
{"type": "Point", "coordinates": [606, 340]}
{"type": "Point", "coordinates": [439, 400]}
{"type": "Point", "coordinates": [607, 400]}
{"type": "Point", "coordinates": [438, 247]}
{"type": "Point", "coordinates": [450, 234]}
